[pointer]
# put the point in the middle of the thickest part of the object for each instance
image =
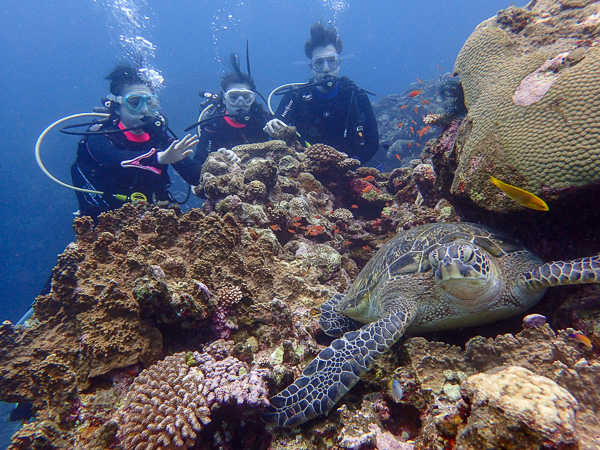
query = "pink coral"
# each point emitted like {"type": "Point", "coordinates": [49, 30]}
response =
{"type": "Point", "coordinates": [535, 85]}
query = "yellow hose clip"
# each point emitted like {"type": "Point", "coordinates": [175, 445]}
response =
{"type": "Point", "coordinates": [138, 197]}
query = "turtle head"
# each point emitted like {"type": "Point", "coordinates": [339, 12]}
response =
{"type": "Point", "coordinates": [466, 273]}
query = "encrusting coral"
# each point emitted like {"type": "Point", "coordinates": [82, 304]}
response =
{"type": "Point", "coordinates": [171, 401]}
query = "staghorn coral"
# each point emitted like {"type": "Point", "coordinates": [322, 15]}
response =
{"type": "Point", "coordinates": [530, 87]}
{"type": "Point", "coordinates": [171, 401]}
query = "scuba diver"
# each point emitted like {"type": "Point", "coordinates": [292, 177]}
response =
{"type": "Point", "coordinates": [328, 109]}
{"type": "Point", "coordinates": [232, 117]}
{"type": "Point", "coordinates": [127, 155]}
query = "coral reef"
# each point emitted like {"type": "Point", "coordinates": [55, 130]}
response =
{"type": "Point", "coordinates": [523, 406]}
{"type": "Point", "coordinates": [235, 288]}
{"type": "Point", "coordinates": [171, 401]}
{"type": "Point", "coordinates": [530, 78]}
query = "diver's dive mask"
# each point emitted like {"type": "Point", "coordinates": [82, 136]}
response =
{"type": "Point", "coordinates": [325, 63]}
{"type": "Point", "coordinates": [136, 102]}
{"type": "Point", "coordinates": [239, 97]}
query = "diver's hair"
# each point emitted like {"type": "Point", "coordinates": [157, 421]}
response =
{"type": "Point", "coordinates": [321, 36]}
{"type": "Point", "coordinates": [125, 74]}
{"type": "Point", "coordinates": [237, 76]}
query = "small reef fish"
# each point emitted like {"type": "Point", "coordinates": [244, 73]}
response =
{"type": "Point", "coordinates": [399, 124]}
{"type": "Point", "coordinates": [439, 68]}
{"type": "Point", "coordinates": [414, 93]}
{"type": "Point", "coordinates": [354, 206]}
{"type": "Point", "coordinates": [367, 188]}
{"type": "Point", "coordinates": [404, 107]}
{"type": "Point", "coordinates": [347, 243]}
{"type": "Point", "coordinates": [417, 144]}
{"type": "Point", "coordinates": [367, 248]}
{"type": "Point", "coordinates": [395, 389]}
{"type": "Point", "coordinates": [410, 144]}
{"type": "Point", "coordinates": [297, 224]}
{"type": "Point", "coordinates": [424, 102]}
{"type": "Point", "coordinates": [582, 338]}
{"type": "Point", "coordinates": [416, 110]}
{"type": "Point", "coordinates": [274, 227]}
{"type": "Point", "coordinates": [369, 178]}
{"type": "Point", "coordinates": [412, 130]}
{"type": "Point", "coordinates": [315, 230]}
{"type": "Point", "coordinates": [398, 157]}
{"type": "Point", "coordinates": [296, 219]}
{"type": "Point", "coordinates": [414, 123]}
{"type": "Point", "coordinates": [292, 231]}
{"type": "Point", "coordinates": [521, 196]}
{"type": "Point", "coordinates": [424, 130]}
{"type": "Point", "coordinates": [420, 82]}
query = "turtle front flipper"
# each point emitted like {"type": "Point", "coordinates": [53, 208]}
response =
{"type": "Point", "coordinates": [334, 323]}
{"type": "Point", "coordinates": [559, 273]}
{"type": "Point", "coordinates": [335, 371]}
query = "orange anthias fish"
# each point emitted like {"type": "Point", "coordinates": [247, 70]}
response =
{"type": "Point", "coordinates": [369, 178]}
{"type": "Point", "coordinates": [412, 130]}
{"type": "Point", "coordinates": [354, 206]}
{"type": "Point", "coordinates": [274, 227]}
{"type": "Point", "coordinates": [315, 230]}
{"type": "Point", "coordinates": [424, 130]}
{"type": "Point", "coordinates": [404, 107]}
{"type": "Point", "coordinates": [521, 196]}
{"type": "Point", "coordinates": [416, 110]}
{"type": "Point", "coordinates": [424, 102]}
{"type": "Point", "coordinates": [399, 124]}
{"type": "Point", "coordinates": [367, 188]}
{"type": "Point", "coordinates": [398, 157]}
{"type": "Point", "coordinates": [439, 68]}
{"type": "Point", "coordinates": [582, 338]}
{"type": "Point", "coordinates": [410, 144]}
{"type": "Point", "coordinates": [420, 82]}
{"type": "Point", "coordinates": [414, 93]}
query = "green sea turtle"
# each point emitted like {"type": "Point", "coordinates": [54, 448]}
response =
{"type": "Point", "coordinates": [432, 277]}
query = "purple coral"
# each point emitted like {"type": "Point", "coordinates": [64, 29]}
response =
{"type": "Point", "coordinates": [171, 401]}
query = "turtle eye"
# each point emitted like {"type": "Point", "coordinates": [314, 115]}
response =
{"type": "Point", "coordinates": [434, 258]}
{"type": "Point", "coordinates": [467, 254]}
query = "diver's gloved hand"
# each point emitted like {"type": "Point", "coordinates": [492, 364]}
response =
{"type": "Point", "coordinates": [229, 154]}
{"type": "Point", "coordinates": [178, 150]}
{"type": "Point", "coordinates": [273, 126]}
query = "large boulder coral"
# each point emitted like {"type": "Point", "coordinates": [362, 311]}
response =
{"type": "Point", "coordinates": [530, 79]}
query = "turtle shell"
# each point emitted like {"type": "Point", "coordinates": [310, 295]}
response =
{"type": "Point", "coordinates": [408, 253]}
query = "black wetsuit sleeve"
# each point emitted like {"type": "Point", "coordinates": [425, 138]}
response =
{"type": "Point", "coordinates": [205, 145]}
{"type": "Point", "coordinates": [370, 131]}
{"type": "Point", "coordinates": [286, 110]}
{"type": "Point", "coordinates": [189, 170]}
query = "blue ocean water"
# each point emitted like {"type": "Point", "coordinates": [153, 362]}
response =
{"type": "Point", "coordinates": [58, 52]}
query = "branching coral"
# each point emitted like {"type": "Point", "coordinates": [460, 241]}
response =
{"type": "Point", "coordinates": [171, 401]}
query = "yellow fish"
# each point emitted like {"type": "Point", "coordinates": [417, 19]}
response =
{"type": "Point", "coordinates": [396, 391]}
{"type": "Point", "coordinates": [521, 196]}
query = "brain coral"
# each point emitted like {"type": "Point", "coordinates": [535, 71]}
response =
{"type": "Point", "coordinates": [171, 401]}
{"type": "Point", "coordinates": [533, 102]}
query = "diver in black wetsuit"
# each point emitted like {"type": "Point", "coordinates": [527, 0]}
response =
{"type": "Point", "coordinates": [134, 161]}
{"type": "Point", "coordinates": [329, 110]}
{"type": "Point", "coordinates": [234, 117]}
